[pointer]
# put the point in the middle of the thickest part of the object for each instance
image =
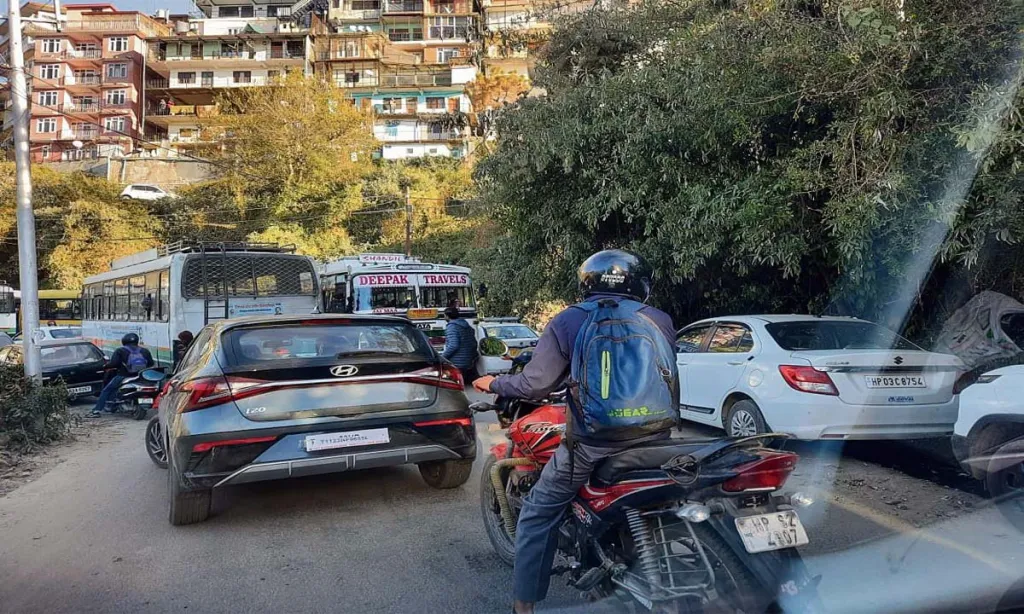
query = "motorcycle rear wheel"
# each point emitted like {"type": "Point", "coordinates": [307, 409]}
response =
{"type": "Point", "coordinates": [503, 543]}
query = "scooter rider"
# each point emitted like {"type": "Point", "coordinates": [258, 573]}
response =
{"type": "Point", "coordinates": [609, 274]}
{"type": "Point", "coordinates": [128, 359]}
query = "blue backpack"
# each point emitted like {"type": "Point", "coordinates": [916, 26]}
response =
{"type": "Point", "coordinates": [136, 362]}
{"type": "Point", "coordinates": [623, 373]}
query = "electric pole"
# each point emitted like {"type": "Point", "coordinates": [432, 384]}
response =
{"type": "Point", "coordinates": [408, 223]}
{"type": "Point", "coordinates": [26, 220]}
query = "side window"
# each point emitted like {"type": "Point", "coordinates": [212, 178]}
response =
{"type": "Point", "coordinates": [165, 295]}
{"type": "Point", "coordinates": [192, 356]}
{"type": "Point", "coordinates": [690, 340]}
{"type": "Point", "coordinates": [731, 338]}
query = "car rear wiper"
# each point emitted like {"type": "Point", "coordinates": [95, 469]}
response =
{"type": "Point", "coordinates": [368, 353]}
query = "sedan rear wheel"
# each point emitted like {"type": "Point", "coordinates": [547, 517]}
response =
{"type": "Point", "coordinates": [186, 506]}
{"type": "Point", "coordinates": [744, 420]}
{"type": "Point", "coordinates": [447, 473]}
{"type": "Point", "coordinates": [155, 443]}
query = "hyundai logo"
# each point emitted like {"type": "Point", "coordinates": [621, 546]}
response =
{"type": "Point", "coordinates": [344, 370]}
{"type": "Point", "coordinates": [898, 360]}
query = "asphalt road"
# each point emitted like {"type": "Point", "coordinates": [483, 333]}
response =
{"type": "Point", "coordinates": [91, 535]}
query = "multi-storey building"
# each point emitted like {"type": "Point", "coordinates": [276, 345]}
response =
{"type": "Point", "coordinates": [200, 57]}
{"type": "Point", "coordinates": [87, 82]}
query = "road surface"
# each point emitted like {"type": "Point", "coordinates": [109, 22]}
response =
{"type": "Point", "coordinates": [91, 535]}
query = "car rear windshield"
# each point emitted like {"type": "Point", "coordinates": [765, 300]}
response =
{"type": "Point", "coordinates": [65, 333]}
{"type": "Point", "coordinates": [259, 345]}
{"type": "Point", "coordinates": [55, 356]}
{"type": "Point", "coordinates": [513, 331]}
{"type": "Point", "coordinates": [832, 335]}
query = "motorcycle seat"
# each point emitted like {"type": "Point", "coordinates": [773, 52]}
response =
{"type": "Point", "coordinates": [643, 461]}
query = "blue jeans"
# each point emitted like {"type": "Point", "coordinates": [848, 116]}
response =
{"type": "Point", "coordinates": [536, 536]}
{"type": "Point", "coordinates": [108, 391]}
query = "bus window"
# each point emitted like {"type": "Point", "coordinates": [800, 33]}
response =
{"type": "Point", "coordinates": [136, 293]}
{"type": "Point", "coordinates": [367, 299]}
{"type": "Point", "coordinates": [165, 296]}
{"type": "Point", "coordinates": [442, 296]}
{"type": "Point", "coordinates": [248, 275]}
{"type": "Point", "coordinates": [153, 292]}
{"type": "Point", "coordinates": [109, 311]}
{"type": "Point", "coordinates": [121, 299]}
{"type": "Point", "coordinates": [60, 309]}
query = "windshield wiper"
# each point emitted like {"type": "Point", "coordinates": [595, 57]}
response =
{"type": "Point", "coordinates": [368, 353]}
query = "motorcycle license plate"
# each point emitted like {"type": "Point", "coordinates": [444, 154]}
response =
{"type": "Point", "coordinates": [775, 531]}
{"type": "Point", "coordinates": [80, 390]}
{"type": "Point", "coordinates": [145, 401]}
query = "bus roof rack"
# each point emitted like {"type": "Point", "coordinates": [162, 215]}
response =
{"type": "Point", "coordinates": [228, 246]}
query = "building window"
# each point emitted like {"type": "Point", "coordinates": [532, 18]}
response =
{"type": "Point", "coordinates": [236, 11]}
{"type": "Point", "coordinates": [445, 54]}
{"type": "Point", "coordinates": [114, 124]}
{"type": "Point", "coordinates": [450, 27]}
{"type": "Point", "coordinates": [234, 31]}
{"type": "Point", "coordinates": [432, 150]}
{"type": "Point", "coordinates": [115, 97]}
{"type": "Point", "coordinates": [241, 76]}
{"type": "Point", "coordinates": [187, 78]}
{"type": "Point", "coordinates": [48, 99]}
{"type": "Point", "coordinates": [410, 151]}
{"type": "Point", "coordinates": [435, 102]}
{"type": "Point", "coordinates": [391, 129]}
{"type": "Point", "coordinates": [51, 45]}
{"type": "Point", "coordinates": [117, 71]}
{"type": "Point", "coordinates": [279, 10]}
{"type": "Point", "coordinates": [365, 5]}
{"type": "Point", "coordinates": [46, 124]}
{"type": "Point", "coordinates": [273, 75]}
{"type": "Point", "coordinates": [44, 152]}
{"type": "Point", "coordinates": [49, 71]}
{"type": "Point", "coordinates": [117, 43]}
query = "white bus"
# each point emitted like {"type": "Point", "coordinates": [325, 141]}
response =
{"type": "Point", "coordinates": [162, 291]}
{"type": "Point", "coordinates": [10, 301]}
{"type": "Point", "coordinates": [395, 283]}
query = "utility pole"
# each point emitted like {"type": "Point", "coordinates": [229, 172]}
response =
{"type": "Point", "coordinates": [26, 220]}
{"type": "Point", "coordinates": [408, 223]}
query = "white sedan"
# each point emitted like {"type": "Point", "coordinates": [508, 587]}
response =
{"type": "Point", "coordinates": [143, 191]}
{"type": "Point", "coordinates": [516, 336]}
{"type": "Point", "coordinates": [815, 378]}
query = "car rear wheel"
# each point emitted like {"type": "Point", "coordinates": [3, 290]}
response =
{"type": "Point", "coordinates": [1005, 474]}
{"type": "Point", "coordinates": [155, 443]}
{"type": "Point", "coordinates": [186, 506]}
{"type": "Point", "coordinates": [744, 420]}
{"type": "Point", "coordinates": [447, 473]}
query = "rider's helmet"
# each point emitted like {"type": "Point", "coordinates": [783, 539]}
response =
{"type": "Point", "coordinates": [614, 271]}
{"type": "Point", "coordinates": [130, 339]}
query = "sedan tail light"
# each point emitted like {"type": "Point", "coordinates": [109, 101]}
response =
{"type": "Point", "coordinates": [205, 392]}
{"type": "Point", "coordinates": [767, 473]}
{"type": "Point", "coordinates": [808, 379]}
{"type": "Point", "coordinates": [451, 378]}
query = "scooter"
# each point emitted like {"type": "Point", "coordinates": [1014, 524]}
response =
{"type": "Point", "coordinates": [668, 526]}
{"type": "Point", "coordinates": [136, 393]}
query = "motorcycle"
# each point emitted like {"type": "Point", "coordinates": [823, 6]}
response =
{"type": "Point", "coordinates": [136, 393]}
{"type": "Point", "coordinates": [672, 526]}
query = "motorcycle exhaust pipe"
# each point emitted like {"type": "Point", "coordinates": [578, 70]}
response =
{"type": "Point", "coordinates": [499, 490]}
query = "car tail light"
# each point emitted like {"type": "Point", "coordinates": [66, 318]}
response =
{"type": "Point", "coordinates": [451, 378]}
{"type": "Point", "coordinates": [766, 473]}
{"type": "Point", "coordinates": [808, 379]}
{"type": "Point", "coordinates": [160, 395]}
{"type": "Point", "coordinates": [205, 392]}
{"type": "Point", "coordinates": [970, 378]}
{"type": "Point", "coordinates": [446, 421]}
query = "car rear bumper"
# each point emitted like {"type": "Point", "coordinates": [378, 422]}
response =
{"type": "Point", "coordinates": [831, 419]}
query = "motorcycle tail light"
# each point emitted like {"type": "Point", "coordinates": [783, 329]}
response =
{"type": "Point", "coordinates": [766, 473]}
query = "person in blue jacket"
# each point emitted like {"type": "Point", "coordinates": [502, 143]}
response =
{"type": "Point", "coordinates": [460, 344]}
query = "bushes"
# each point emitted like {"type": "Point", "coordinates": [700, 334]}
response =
{"type": "Point", "coordinates": [31, 414]}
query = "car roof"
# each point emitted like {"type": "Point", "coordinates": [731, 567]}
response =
{"type": "Point", "coordinates": [69, 341]}
{"type": "Point", "coordinates": [777, 317]}
{"type": "Point", "coordinates": [292, 319]}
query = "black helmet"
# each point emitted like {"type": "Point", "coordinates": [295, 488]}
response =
{"type": "Point", "coordinates": [614, 271]}
{"type": "Point", "coordinates": [130, 339]}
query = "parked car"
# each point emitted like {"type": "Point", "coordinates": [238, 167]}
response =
{"type": "Point", "coordinates": [142, 191]}
{"type": "Point", "coordinates": [516, 336]}
{"type": "Point", "coordinates": [991, 415]}
{"type": "Point", "coordinates": [77, 362]}
{"type": "Point", "coordinates": [56, 332]}
{"type": "Point", "coordinates": [263, 398]}
{"type": "Point", "coordinates": [815, 378]}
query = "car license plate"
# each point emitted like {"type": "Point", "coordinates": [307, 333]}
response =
{"type": "Point", "coordinates": [347, 439]}
{"type": "Point", "coordinates": [424, 325]}
{"type": "Point", "coordinates": [513, 352]}
{"type": "Point", "coordinates": [895, 381]}
{"type": "Point", "coordinates": [145, 401]}
{"type": "Point", "coordinates": [767, 532]}
{"type": "Point", "coordinates": [80, 390]}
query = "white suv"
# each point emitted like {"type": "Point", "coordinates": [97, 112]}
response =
{"type": "Point", "coordinates": [991, 415]}
{"type": "Point", "coordinates": [142, 191]}
{"type": "Point", "coordinates": [815, 378]}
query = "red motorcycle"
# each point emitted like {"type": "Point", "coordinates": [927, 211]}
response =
{"type": "Point", "coordinates": [674, 525]}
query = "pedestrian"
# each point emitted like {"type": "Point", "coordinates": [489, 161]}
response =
{"type": "Point", "coordinates": [163, 106]}
{"type": "Point", "coordinates": [126, 360]}
{"type": "Point", "coordinates": [181, 346]}
{"type": "Point", "coordinates": [614, 282]}
{"type": "Point", "coordinates": [460, 344]}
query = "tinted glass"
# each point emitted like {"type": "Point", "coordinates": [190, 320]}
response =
{"type": "Point", "coordinates": [514, 331]}
{"type": "Point", "coordinates": [730, 339]}
{"type": "Point", "coordinates": [442, 296]}
{"type": "Point", "coordinates": [832, 335]}
{"type": "Point", "coordinates": [252, 346]}
{"type": "Point", "coordinates": [384, 298]}
{"type": "Point", "coordinates": [71, 354]}
{"type": "Point", "coordinates": [66, 333]}
{"type": "Point", "coordinates": [690, 339]}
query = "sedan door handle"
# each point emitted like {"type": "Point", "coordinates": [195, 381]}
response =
{"type": "Point", "coordinates": [735, 363]}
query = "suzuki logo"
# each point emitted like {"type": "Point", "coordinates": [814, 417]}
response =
{"type": "Point", "coordinates": [344, 370]}
{"type": "Point", "coordinates": [898, 360]}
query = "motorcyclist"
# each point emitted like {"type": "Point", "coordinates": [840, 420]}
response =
{"type": "Point", "coordinates": [607, 274]}
{"type": "Point", "coordinates": [126, 360]}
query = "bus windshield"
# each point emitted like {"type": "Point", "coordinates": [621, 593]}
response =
{"type": "Point", "coordinates": [60, 309]}
{"type": "Point", "coordinates": [443, 296]}
{"type": "Point", "coordinates": [384, 298]}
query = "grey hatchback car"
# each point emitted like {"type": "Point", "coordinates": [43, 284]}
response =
{"type": "Point", "coordinates": [263, 398]}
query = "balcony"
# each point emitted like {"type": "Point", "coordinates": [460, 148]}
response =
{"type": "Point", "coordinates": [83, 54]}
{"type": "Point", "coordinates": [92, 107]}
{"type": "Point", "coordinates": [85, 134]}
{"type": "Point", "coordinates": [354, 15]}
{"type": "Point", "coordinates": [117, 23]}
{"type": "Point", "coordinates": [82, 80]}
{"type": "Point", "coordinates": [259, 55]}
{"type": "Point", "coordinates": [403, 6]}
{"type": "Point", "coordinates": [450, 7]}
{"type": "Point", "coordinates": [419, 79]}
{"type": "Point", "coordinates": [116, 78]}
{"type": "Point", "coordinates": [420, 135]}
{"type": "Point", "coordinates": [405, 36]}
{"type": "Point", "coordinates": [287, 54]}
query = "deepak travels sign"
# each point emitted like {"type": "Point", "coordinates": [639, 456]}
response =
{"type": "Point", "coordinates": [382, 280]}
{"type": "Point", "coordinates": [444, 279]}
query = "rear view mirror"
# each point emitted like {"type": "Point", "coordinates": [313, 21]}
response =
{"type": "Point", "coordinates": [489, 346]}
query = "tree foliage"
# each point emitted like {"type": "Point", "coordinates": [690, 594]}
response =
{"type": "Point", "coordinates": [767, 155]}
